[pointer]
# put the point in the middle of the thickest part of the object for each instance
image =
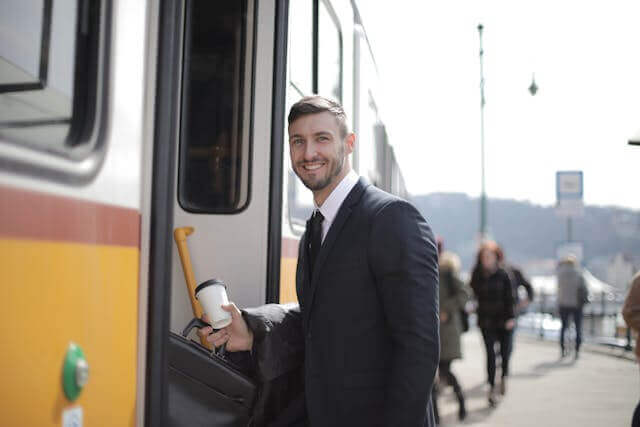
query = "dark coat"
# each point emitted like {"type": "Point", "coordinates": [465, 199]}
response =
{"type": "Point", "coordinates": [518, 280]}
{"type": "Point", "coordinates": [278, 361]}
{"type": "Point", "coordinates": [494, 293]}
{"type": "Point", "coordinates": [368, 318]}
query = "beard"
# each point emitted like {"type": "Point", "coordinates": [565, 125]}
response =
{"type": "Point", "coordinates": [336, 166]}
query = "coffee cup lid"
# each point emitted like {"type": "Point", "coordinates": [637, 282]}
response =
{"type": "Point", "coordinates": [210, 282]}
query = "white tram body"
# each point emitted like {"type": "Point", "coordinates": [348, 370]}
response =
{"type": "Point", "coordinates": [122, 120]}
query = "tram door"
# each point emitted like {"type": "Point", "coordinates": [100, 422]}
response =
{"type": "Point", "coordinates": [223, 150]}
{"type": "Point", "coordinates": [216, 77]}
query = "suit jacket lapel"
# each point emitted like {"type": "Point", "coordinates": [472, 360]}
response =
{"type": "Point", "coordinates": [334, 231]}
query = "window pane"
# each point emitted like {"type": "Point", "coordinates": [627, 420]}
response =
{"type": "Point", "coordinates": [329, 54]}
{"type": "Point", "coordinates": [20, 41]}
{"type": "Point", "coordinates": [301, 45]}
{"type": "Point", "coordinates": [368, 154]}
{"type": "Point", "coordinates": [39, 67]}
{"type": "Point", "coordinates": [300, 200]}
{"type": "Point", "coordinates": [368, 120]}
{"type": "Point", "coordinates": [214, 146]}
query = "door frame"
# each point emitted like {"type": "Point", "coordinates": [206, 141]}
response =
{"type": "Point", "coordinates": [274, 245]}
{"type": "Point", "coordinates": [167, 104]}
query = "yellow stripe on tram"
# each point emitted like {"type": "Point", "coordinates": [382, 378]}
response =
{"type": "Point", "coordinates": [53, 293]}
{"type": "Point", "coordinates": [288, 280]}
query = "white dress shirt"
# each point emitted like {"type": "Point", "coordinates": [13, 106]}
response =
{"type": "Point", "coordinates": [330, 207]}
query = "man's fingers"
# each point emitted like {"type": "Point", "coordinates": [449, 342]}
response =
{"type": "Point", "coordinates": [217, 335]}
{"type": "Point", "coordinates": [221, 341]}
{"type": "Point", "coordinates": [231, 308]}
{"type": "Point", "coordinates": [205, 332]}
{"type": "Point", "coordinates": [219, 338]}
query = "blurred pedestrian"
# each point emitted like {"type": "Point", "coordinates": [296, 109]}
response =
{"type": "Point", "coordinates": [518, 282]}
{"type": "Point", "coordinates": [493, 291]}
{"type": "Point", "coordinates": [453, 298]}
{"type": "Point", "coordinates": [631, 314]}
{"type": "Point", "coordinates": [572, 296]}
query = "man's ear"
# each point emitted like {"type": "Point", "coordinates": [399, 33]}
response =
{"type": "Point", "coordinates": [350, 143]}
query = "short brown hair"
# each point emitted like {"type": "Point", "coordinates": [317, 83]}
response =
{"type": "Point", "coordinates": [319, 104]}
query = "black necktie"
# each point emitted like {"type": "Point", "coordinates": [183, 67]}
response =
{"type": "Point", "coordinates": [315, 240]}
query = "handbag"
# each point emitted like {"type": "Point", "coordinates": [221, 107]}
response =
{"type": "Point", "coordinates": [205, 388]}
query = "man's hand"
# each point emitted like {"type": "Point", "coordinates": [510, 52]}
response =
{"type": "Point", "coordinates": [237, 335]}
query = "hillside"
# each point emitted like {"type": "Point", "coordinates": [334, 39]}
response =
{"type": "Point", "coordinates": [530, 233]}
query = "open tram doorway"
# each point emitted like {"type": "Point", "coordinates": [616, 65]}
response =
{"type": "Point", "coordinates": [217, 168]}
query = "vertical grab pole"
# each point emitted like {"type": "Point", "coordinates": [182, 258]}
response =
{"type": "Point", "coordinates": [180, 236]}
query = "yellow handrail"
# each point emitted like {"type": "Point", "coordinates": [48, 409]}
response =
{"type": "Point", "coordinates": [180, 236]}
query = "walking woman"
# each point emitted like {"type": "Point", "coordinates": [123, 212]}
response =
{"type": "Point", "coordinates": [453, 298]}
{"type": "Point", "coordinates": [493, 291]}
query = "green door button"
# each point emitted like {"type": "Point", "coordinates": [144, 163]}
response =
{"type": "Point", "coordinates": [75, 372]}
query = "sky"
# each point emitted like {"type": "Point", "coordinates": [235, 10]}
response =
{"type": "Point", "coordinates": [586, 60]}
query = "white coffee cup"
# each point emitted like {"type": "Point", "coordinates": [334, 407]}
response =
{"type": "Point", "coordinates": [212, 294]}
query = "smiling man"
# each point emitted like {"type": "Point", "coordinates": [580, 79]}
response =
{"type": "Point", "coordinates": [367, 281]}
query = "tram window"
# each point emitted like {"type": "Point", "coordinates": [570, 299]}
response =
{"type": "Point", "coordinates": [300, 42]}
{"type": "Point", "coordinates": [329, 53]}
{"type": "Point", "coordinates": [214, 145]}
{"type": "Point", "coordinates": [48, 51]}
{"type": "Point", "coordinates": [368, 154]}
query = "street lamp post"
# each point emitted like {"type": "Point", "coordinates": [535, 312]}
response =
{"type": "Point", "coordinates": [483, 195]}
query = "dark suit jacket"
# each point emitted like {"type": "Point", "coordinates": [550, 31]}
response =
{"type": "Point", "coordinates": [368, 319]}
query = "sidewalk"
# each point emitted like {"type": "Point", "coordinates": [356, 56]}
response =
{"type": "Point", "coordinates": [598, 390]}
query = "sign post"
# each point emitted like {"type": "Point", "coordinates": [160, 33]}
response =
{"type": "Point", "coordinates": [569, 194]}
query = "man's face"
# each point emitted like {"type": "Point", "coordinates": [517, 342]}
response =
{"type": "Point", "coordinates": [318, 151]}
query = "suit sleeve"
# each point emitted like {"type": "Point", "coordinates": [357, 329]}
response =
{"type": "Point", "coordinates": [404, 261]}
{"type": "Point", "coordinates": [277, 356]}
{"type": "Point", "coordinates": [278, 342]}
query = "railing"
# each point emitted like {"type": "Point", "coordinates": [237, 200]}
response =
{"type": "Point", "coordinates": [602, 320]}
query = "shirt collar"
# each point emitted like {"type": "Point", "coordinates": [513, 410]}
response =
{"type": "Point", "coordinates": [331, 205]}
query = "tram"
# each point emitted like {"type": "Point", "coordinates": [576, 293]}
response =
{"type": "Point", "coordinates": [122, 120]}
